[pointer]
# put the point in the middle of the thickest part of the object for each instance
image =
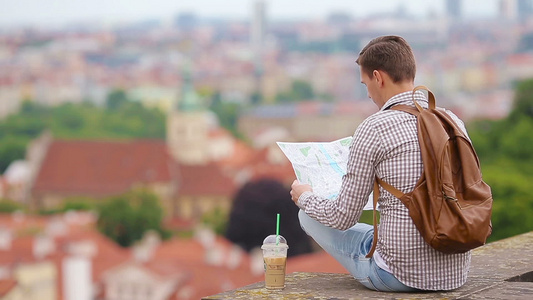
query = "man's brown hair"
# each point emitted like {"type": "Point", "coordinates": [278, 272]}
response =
{"type": "Point", "coordinates": [391, 54]}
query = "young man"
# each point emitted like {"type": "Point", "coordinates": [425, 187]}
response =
{"type": "Point", "coordinates": [384, 145]}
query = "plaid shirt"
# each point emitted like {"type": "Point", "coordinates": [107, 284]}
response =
{"type": "Point", "coordinates": [386, 145]}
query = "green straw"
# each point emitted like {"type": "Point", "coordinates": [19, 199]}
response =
{"type": "Point", "coordinates": [277, 230]}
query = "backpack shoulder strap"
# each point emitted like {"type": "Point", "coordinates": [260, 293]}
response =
{"type": "Point", "coordinates": [397, 193]}
{"type": "Point", "coordinates": [406, 108]}
{"type": "Point", "coordinates": [418, 108]}
{"type": "Point", "coordinates": [431, 98]}
{"type": "Point", "coordinates": [375, 219]}
{"type": "Point", "coordinates": [394, 191]}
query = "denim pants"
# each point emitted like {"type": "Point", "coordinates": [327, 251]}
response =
{"type": "Point", "coordinates": [349, 248]}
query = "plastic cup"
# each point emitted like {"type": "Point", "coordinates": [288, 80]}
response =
{"type": "Point", "coordinates": [275, 259]}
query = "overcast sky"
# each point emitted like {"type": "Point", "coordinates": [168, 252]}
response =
{"type": "Point", "coordinates": [43, 12]}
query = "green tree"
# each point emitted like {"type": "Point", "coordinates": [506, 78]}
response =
{"type": "Point", "coordinates": [300, 91]}
{"type": "Point", "coordinates": [303, 90]}
{"type": "Point", "coordinates": [79, 204]}
{"type": "Point", "coordinates": [513, 199]}
{"type": "Point", "coordinates": [227, 113]}
{"type": "Point", "coordinates": [73, 203]}
{"type": "Point", "coordinates": [116, 220]}
{"type": "Point", "coordinates": [116, 99]}
{"type": "Point", "coordinates": [134, 120]}
{"type": "Point", "coordinates": [505, 149]}
{"type": "Point", "coordinates": [518, 142]}
{"type": "Point", "coordinates": [125, 218]}
{"type": "Point", "coordinates": [11, 149]}
{"type": "Point", "coordinates": [78, 121]}
{"type": "Point", "coordinates": [27, 123]}
{"type": "Point", "coordinates": [216, 220]}
{"type": "Point", "coordinates": [31, 108]}
{"type": "Point", "coordinates": [9, 206]}
{"type": "Point", "coordinates": [256, 98]}
{"type": "Point", "coordinates": [68, 119]}
{"type": "Point", "coordinates": [523, 100]}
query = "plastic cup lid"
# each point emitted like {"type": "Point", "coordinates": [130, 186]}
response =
{"type": "Point", "coordinates": [272, 242]}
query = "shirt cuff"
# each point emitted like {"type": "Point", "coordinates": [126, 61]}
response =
{"type": "Point", "coordinates": [304, 199]}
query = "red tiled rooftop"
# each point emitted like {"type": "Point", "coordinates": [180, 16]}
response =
{"type": "Point", "coordinates": [204, 180]}
{"type": "Point", "coordinates": [6, 285]}
{"type": "Point", "coordinates": [101, 168]}
{"type": "Point", "coordinates": [207, 278]}
{"type": "Point", "coordinates": [108, 253]}
{"type": "Point", "coordinates": [19, 222]}
{"type": "Point", "coordinates": [164, 268]}
{"type": "Point", "coordinates": [23, 224]}
{"type": "Point", "coordinates": [20, 251]}
{"type": "Point", "coordinates": [308, 108]}
{"type": "Point", "coordinates": [190, 250]}
{"type": "Point", "coordinates": [241, 156]}
{"type": "Point", "coordinates": [520, 59]}
{"type": "Point", "coordinates": [219, 132]}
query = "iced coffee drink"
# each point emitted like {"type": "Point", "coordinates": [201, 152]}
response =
{"type": "Point", "coordinates": [275, 259]}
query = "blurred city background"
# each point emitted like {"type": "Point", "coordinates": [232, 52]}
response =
{"type": "Point", "coordinates": [137, 138]}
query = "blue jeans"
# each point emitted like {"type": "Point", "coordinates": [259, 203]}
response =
{"type": "Point", "coordinates": [349, 248]}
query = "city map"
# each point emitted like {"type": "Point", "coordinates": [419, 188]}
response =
{"type": "Point", "coordinates": [321, 165]}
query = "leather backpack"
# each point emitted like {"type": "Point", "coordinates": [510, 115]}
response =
{"type": "Point", "coordinates": [451, 205]}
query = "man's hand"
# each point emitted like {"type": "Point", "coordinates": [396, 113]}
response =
{"type": "Point", "coordinates": [298, 189]}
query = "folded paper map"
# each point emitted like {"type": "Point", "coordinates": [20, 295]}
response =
{"type": "Point", "coordinates": [321, 165]}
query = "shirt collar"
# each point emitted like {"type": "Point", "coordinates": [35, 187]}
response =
{"type": "Point", "coordinates": [406, 98]}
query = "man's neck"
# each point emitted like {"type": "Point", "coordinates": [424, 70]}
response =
{"type": "Point", "coordinates": [397, 88]}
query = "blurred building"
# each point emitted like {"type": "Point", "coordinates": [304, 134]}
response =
{"type": "Point", "coordinates": [307, 121]}
{"type": "Point", "coordinates": [258, 30]}
{"type": "Point", "coordinates": [11, 98]}
{"type": "Point", "coordinates": [63, 257]}
{"type": "Point", "coordinates": [160, 97]}
{"type": "Point", "coordinates": [15, 180]}
{"type": "Point", "coordinates": [515, 10]}
{"type": "Point", "coordinates": [186, 21]}
{"type": "Point", "coordinates": [257, 41]}
{"type": "Point", "coordinates": [101, 169]}
{"type": "Point", "coordinates": [525, 9]}
{"type": "Point", "coordinates": [509, 9]}
{"type": "Point", "coordinates": [37, 252]}
{"type": "Point", "coordinates": [454, 9]}
{"type": "Point", "coordinates": [32, 279]}
{"type": "Point", "coordinates": [157, 280]}
{"type": "Point", "coordinates": [188, 126]}
{"type": "Point", "coordinates": [108, 168]}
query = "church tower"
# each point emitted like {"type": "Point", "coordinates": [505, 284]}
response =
{"type": "Point", "coordinates": [257, 42]}
{"type": "Point", "coordinates": [188, 126]}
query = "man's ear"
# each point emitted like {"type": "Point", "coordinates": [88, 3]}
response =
{"type": "Point", "coordinates": [378, 77]}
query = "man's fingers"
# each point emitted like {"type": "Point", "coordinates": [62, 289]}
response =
{"type": "Point", "coordinates": [294, 182]}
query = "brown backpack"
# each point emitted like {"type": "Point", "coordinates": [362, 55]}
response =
{"type": "Point", "coordinates": [450, 205]}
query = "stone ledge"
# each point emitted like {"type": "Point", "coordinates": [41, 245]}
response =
{"type": "Point", "coordinates": [500, 270]}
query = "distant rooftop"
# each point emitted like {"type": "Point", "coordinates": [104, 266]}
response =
{"type": "Point", "coordinates": [290, 110]}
